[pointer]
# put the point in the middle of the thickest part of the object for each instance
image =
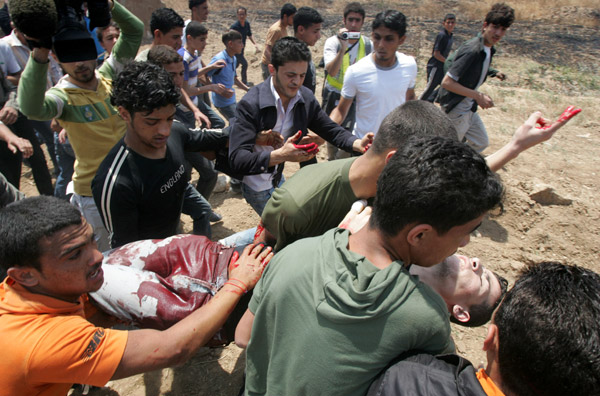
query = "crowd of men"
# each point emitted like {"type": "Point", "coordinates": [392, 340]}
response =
{"type": "Point", "coordinates": [349, 283]}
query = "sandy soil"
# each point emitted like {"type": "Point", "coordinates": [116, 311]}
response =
{"type": "Point", "coordinates": [527, 232]}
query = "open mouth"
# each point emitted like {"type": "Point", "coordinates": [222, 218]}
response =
{"type": "Point", "coordinates": [96, 274]}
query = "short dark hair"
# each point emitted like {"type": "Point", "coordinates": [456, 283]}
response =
{"type": "Point", "coordinates": [25, 223]}
{"type": "Point", "coordinates": [194, 3]}
{"type": "Point", "coordinates": [162, 55]}
{"type": "Point", "coordinates": [391, 19]}
{"type": "Point", "coordinates": [289, 49]}
{"type": "Point", "coordinates": [480, 314]}
{"type": "Point", "coordinates": [449, 16]}
{"type": "Point", "coordinates": [100, 30]}
{"type": "Point", "coordinates": [242, 8]}
{"type": "Point", "coordinates": [501, 14]}
{"type": "Point", "coordinates": [195, 29]}
{"type": "Point", "coordinates": [165, 20]}
{"type": "Point", "coordinates": [287, 10]}
{"type": "Point", "coordinates": [548, 332]}
{"type": "Point", "coordinates": [354, 7]}
{"type": "Point", "coordinates": [143, 87]}
{"type": "Point", "coordinates": [306, 17]}
{"type": "Point", "coordinates": [436, 181]}
{"type": "Point", "coordinates": [415, 118]}
{"type": "Point", "coordinates": [231, 35]}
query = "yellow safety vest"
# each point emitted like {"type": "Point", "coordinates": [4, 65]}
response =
{"type": "Point", "coordinates": [338, 82]}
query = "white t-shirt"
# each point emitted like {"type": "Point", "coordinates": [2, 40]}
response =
{"type": "Point", "coordinates": [8, 62]}
{"type": "Point", "coordinates": [332, 45]}
{"type": "Point", "coordinates": [377, 91]}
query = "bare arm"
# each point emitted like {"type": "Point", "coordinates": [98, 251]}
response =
{"type": "Point", "coordinates": [240, 84]}
{"type": "Point", "coordinates": [15, 143]}
{"type": "Point", "coordinates": [148, 350]}
{"type": "Point", "coordinates": [14, 78]}
{"type": "Point", "coordinates": [484, 101]}
{"type": "Point", "coordinates": [438, 55]}
{"type": "Point", "coordinates": [198, 115]}
{"type": "Point", "coordinates": [341, 111]}
{"type": "Point", "coordinates": [410, 94]}
{"type": "Point", "coordinates": [528, 135]}
{"type": "Point", "coordinates": [243, 331]}
{"type": "Point", "coordinates": [333, 67]}
{"type": "Point", "coordinates": [268, 49]}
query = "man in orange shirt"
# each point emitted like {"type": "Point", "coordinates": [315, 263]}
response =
{"type": "Point", "coordinates": [543, 340]}
{"type": "Point", "coordinates": [275, 32]}
{"type": "Point", "coordinates": [52, 262]}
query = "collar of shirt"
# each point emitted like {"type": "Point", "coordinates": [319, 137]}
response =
{"type": "Point", "coordinates": [228, 59]}
{"type": "Point", "coordinates": [285, 117]}
{"type": "Point", "coordinates": [14, 41]}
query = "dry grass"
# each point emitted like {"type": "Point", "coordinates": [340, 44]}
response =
{"type": "Point", "coordinates": [582, 12]}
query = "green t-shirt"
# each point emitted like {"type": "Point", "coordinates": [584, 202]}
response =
{"type": "Point", "coordinates": [327, 321]}
{"type": "Point", "coordinates": [314, 200]}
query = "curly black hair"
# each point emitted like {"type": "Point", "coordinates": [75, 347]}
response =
{"type": "Point", "coordinates": [144, 87]}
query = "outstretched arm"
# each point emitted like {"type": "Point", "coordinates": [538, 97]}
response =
{"type": "Point", "coordinates": [528, 135]}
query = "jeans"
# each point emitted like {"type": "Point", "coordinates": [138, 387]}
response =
{"type": "Point", "coordinates": [227, 111]}
{"type": "Point", "coordinates": [215, 120]}
{"type": "Point", "coordinates": [241, 238]}
{"type": "Point", "coordinates": [206, 170]}
{"type": "Point", "coordinates": [258, 199]}
{"type": "Point", "coordinates": [435, 75]}
{"type": "Point", "coordinates": [242, 61]}
{"type": "Point", "coordinates": [47, 135]}
{"type": "Point", "coordinates": [66, 160]}
{"type": "Point", "coordinates": [198, 208]}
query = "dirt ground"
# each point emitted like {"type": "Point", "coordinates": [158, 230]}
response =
{"type": "Point", "coordinates": [528, 231]}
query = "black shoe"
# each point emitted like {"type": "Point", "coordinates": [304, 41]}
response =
{"type": "Point", "coordinates": [214, 217]}
{"type": "Point", "coordinates": [236, 186]}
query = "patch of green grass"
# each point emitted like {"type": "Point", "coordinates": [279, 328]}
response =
{"type": "Point", "coordinates": [576, 79]}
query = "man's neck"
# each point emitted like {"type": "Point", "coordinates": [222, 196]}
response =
{"type": "Point", "coordinates": [191, 49]}
{"type": "Point", "coordinates": [284, 102]}
{"type": "Point", "coordinates": [385, 64]}
{"type": "Point", "coordinates": [378, 248]}
{"type": "Point", "coordinates": [242, 23]}
{"type": "Point", "coordinates": [142, 149]}
{"type": "Point", "coordinates": [229, 52]}
{"type": "Point", "coordinates": [364, 173]}
{"type": "Point", "coordinates": [92, 85]}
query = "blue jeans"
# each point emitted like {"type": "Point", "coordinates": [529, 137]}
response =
{"type": "Point", "coordinates": [198, 208]}
{"type": "Point", "coordinates": [258, 199]}
{"type": "Point", "coordinates": [215, 120]}
{"type": "Point", "coordinates": [227, 111]}
{"type": "Point", "coordinates": [66, 160]}
{"type": "Point", "coordinates": [241, 238]}
{"type": "Point", "coordinates": [242, 61]}
{"type": "Point", "coordinates": [45, 132]}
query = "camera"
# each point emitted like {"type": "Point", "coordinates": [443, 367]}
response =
{"type": "Point", "coordinates": [60, 25]}
{"type": "Point", "coordinates": [350, 35]}
{"type": "Point", "coordinates": [72, 41]}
